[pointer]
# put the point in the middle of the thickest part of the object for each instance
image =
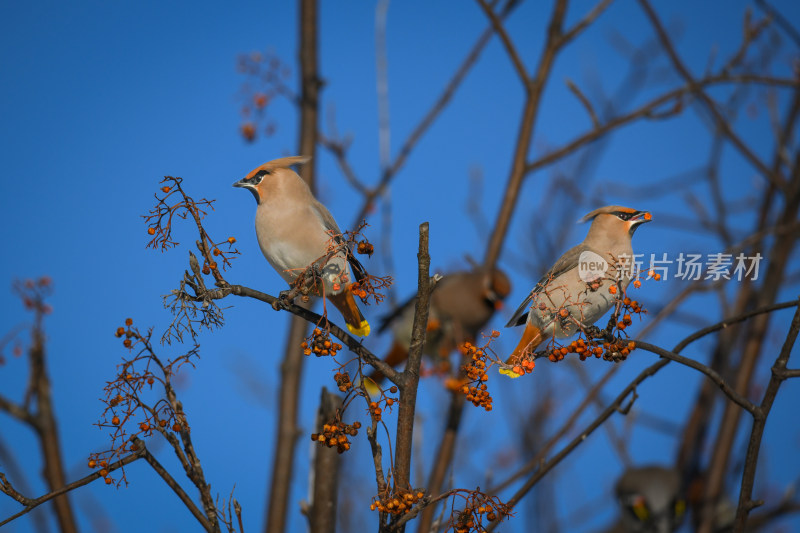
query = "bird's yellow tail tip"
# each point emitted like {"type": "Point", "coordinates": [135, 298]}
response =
{"type": "Point", "coordinates": [361, 331]}
{"type": "Point", "coordinates": [508, 372]}
{"type": "Point", "coordinates": [372, 388]}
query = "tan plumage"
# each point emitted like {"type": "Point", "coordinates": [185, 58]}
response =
{"type": "Point", "coordinates": [461, 305]}
{"type": "Point", "coordinates": [294, 231]}
{"type": "Point", "coordinates": [608, 239]}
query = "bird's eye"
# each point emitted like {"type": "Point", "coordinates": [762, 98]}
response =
{"type": "Point", "coordinates": [256, 178]}
{"type": "Point", "coordinates": [623, 216]}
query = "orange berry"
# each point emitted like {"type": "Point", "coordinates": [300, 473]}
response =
{"type": "Point", "coordinates": [115, 420]}
{"type": "Point", "coordinates": [248, 131]}
{"type": "Point", "coordinates": [563, 313]}
{"type": "Point", "coordinates": [104, 472]}
{"type": "Point", "coordinates": [216, 251]}
{"type": "Point", "coordinates": [162, 423]}
{"type": "Point", "coordinates": [176, 427]}
{"type": "Point", "coordinates": [126, 343]}
{"type": "Point", "coordinates": [92, 463]}
{"type": "Point", "coordinates": [657, 276]}
{"type": "Point", "coordinates": [212, 265]}
{"type": "Point", "coordinates": [389, 401]}
{"type": "Point", "coordinates": [651, 273]}
{"type": "Point", "coordinates": [128, 321]}
{"type": "Point", "coordinates": [637, 284]}
{"type": "Point", "coordinates": [151, 231]}
{"type": "Point", "coordinates": [103, 464]}
{"type": "Point", "coordinates": [165, 189]}
{"type": "Point", "coordinates": [120, 331]}
{"type": "Point", "coordinates": [144, 426]}
{"type": "Point", "coordinates": [206, 270]}
{"type": "Point", "coordinates": [109, 481]}
{"type": "Point", "coordinates": [231, 240]}
{"type": "Point", "coordinates": [150, 380]}
{"type": "Point", "coordinates": [612, 289]}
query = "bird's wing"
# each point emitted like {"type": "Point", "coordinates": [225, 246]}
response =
{"type": "Point", "coordinates": [330, 224]}
{"type": "Point", "coordinates": [566, 262]}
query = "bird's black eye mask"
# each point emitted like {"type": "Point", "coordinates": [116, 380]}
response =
{"type": "Point", "coordinates": [256, 178]}
{"type": "Point", "coordinates": [623, 215]}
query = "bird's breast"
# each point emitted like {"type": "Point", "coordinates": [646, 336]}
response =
{"type": "Point", "coordinates": [292, 238]}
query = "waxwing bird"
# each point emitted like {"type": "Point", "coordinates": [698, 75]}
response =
{"type": "Point", "coordinates": [651, 500]}
{"type": "Point", "coordinates": [575, 292]}
{"type": "Point", "coordinates": [295, 231]}
{"type": "Point", "coordinates": [462, 303]}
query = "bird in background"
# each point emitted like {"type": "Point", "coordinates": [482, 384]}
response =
{"type": "Point", "coordinates": [461, 305]}
{"type": "Point", "coordinates": [295, 232]}
{"type": "Point", "coordinates": [575, 293]}
{"type": "Point", "coordinates": [651, 500]}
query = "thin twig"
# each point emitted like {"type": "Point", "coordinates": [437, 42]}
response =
{"type": "Point", "coordinates": [511, 50]}
{"type": "Point", "coordinates": [174, 485]}
{"type": "Point", "coordinates": [35, 502]}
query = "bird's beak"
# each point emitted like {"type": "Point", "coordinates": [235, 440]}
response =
{"type": "Point", "coordinates": [250, 187]}
{"type": "Point", "coordinates": [641, 217]}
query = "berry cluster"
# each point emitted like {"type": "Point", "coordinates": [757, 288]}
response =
{"type": "Point", "coordinates": [265, 74]}
{"type": "Point", "coordinates": [471, 518]}
{"type": "Point", "coordinates": [343, 381]}
{"type": "Point", "coordinates": [357, 289]}
{"type": "Point", "coordinates": [319, 343]}
{"type": "Point", "coordinates": [103, 465]}
{"type": "Point", "coordinates": [128, 333]}
{"type": "Point", "coordinates": [335, 435]}
{"type": "Point", "coordinates": [629, 306]}
{"type": "Point", "coordinates": [609, 351]}
{"type": "Point", "coordinates": [399, 502]}
{"type": "Point", "coordinates": [474, 385]}
{"type": "Point", "coordinates": [375, 410]}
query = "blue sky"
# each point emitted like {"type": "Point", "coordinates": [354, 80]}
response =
{"type": "Point", "coordinates": [99, 101]}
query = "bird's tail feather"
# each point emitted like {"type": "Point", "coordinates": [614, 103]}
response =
{"type": "Point", "coordinates": [353, 319]}
{"type": "Point", "coordinates": [531, 338]}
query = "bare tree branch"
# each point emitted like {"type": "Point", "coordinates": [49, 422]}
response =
{"type": "Point", "coordinates": [760, 415]}
{"type": "Point", "coordinates": [410, 379]}
{"type": "Point", "coordinates": [292, 365]}
{"type": "Point", "coordinates": [32, 503]}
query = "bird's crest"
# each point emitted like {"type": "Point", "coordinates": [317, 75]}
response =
{"type": "Point", "coordinates": [283, 162]}
{"type": "Point", "coordinates": [609, 209]}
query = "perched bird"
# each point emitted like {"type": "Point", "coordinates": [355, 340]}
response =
{"type": "Point", "coordinates": [296, 232]}
{"type": "Point", "coordinates": [651, 500]}
{"type": "Point", "coordinates": [575, 291]}
{"type": "Point", "coordinates": [462, 303]}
